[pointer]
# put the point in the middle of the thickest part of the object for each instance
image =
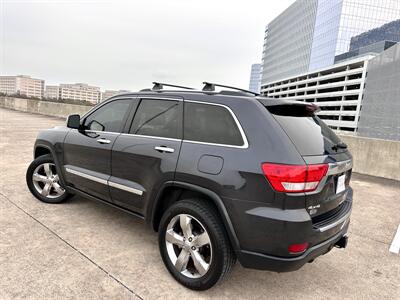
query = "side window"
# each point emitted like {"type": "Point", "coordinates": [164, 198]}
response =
{"type": "Point", "coordinates": [161, 118]}
{"type": "Point", "coordinates": [210, 124]}
{"type": "Point", "coordinates": [109, 117]}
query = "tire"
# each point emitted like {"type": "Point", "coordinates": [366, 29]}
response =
{"type": "Point", "coordinates": [214, 255]}
{"type": "Point", "coordinates": [46, 186]}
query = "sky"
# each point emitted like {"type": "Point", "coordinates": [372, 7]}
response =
{"type": "Point", "coordinates": [129, 44]}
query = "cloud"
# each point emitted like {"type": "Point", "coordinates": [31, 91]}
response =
{"type": "Point", "coordinates": [129, 44]}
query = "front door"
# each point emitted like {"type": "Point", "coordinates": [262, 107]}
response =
{"type": "Point", "coordinates": [146, 155]}
{"type": "Point", "coordinates": [87, 152]}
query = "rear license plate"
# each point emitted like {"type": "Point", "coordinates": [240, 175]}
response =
{"type": "Point", "coordinates": [340, 187]}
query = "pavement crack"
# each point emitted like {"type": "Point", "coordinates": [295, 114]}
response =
{"type": "Point", "coordinates": [73, 247]}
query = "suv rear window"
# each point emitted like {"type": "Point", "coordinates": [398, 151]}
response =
{"type": "Point", "coordinates": [310, 134]}
{"type": "Point", "coordinates": [210, 123]}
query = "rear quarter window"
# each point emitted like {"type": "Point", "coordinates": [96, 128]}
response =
{"type": "Point", "coordinates": [210, 123]}
{"type": "Point", "coordinates": [309, 134]}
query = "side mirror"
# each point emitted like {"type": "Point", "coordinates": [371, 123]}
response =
{"type": "Point", "coordinates": [73, 121]}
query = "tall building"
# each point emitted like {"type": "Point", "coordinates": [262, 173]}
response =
{"type": "Point", "coordinates": [310, 33]}
{"type": "Point", "coordinates": [52, 92]}
{"type": "Point", "coordinates": [22, 85]}
{"type": "Point", "coordinates": [80, 92]}
{"type": "Point", "coordinates": [255, 78]}
{"type": "Point", "coordinates": [372, 49]}
{"type": "Point", "coordinates": [288, 40]}
{"type": "Point", "coordinates": [386, 32]}
{"type": "Point", "coordinates": [373, 41]}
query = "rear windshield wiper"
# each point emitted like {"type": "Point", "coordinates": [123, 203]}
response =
{"type": "Point", "coordinates": [338, 146]}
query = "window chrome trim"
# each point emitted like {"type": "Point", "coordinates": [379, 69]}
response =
{"type": "Point", "coordinates": [151, 137]}
{"type": "Point", "coordinates": [239, 126]}
{"type": "Point", "coordinates": [87, 176]}
{"type": "Point", "coordinates": [105, 102]}
{"type": "Point", "coordinates": [125, 188]}
{"type": "Point", "coordinates": [160, 98]}
{"type": "Point", "coordinates": [105, 182]}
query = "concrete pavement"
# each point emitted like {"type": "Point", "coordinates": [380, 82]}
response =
{"type": "Point", "coordinates": [84, 249]}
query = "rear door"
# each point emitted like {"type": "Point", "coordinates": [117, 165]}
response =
{"type": "Point", "coordinates": [317, 144]}
{"type": "Point", "coordinates": [146, 155]}
{"type": "Point", "coordinates": [87, 152]}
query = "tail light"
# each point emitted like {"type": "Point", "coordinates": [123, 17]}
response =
{"type": "Point", "coordinates": [294, 178]}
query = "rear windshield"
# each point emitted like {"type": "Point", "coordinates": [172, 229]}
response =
{"type": "Point", "coordinates": [310, 134]}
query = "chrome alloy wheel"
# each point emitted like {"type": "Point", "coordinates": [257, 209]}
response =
{"type": "Point", "coordinates": [188, 245]}
{"type": "Point", "coordinates": [46, 181]}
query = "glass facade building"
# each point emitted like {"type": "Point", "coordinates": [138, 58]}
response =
{"type": "Point", "coordinates": [288, 40]}
{"type": "Point", "coordinates": [337, 21]}
{"type": "Point", "coordinates": [388, 32]}
{"type": "Point", "coordinates": [255, 78]}
{"type": "Point", "coordinates": [309, 34]}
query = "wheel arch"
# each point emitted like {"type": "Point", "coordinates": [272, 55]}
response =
{"type": "Point", "coordinates": [172, 192]}
{"type": "Point", "coordinates": [42, 148]}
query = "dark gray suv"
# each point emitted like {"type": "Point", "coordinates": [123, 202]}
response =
{"type": "Point", "coordinates": [220, 175]}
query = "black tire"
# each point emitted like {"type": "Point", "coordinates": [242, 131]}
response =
{"type": "Point", "coordinates": [223, 257]}
{"type": "Point", "coordinates": [45, 159]}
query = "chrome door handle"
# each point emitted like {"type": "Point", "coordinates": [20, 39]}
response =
{"type": "Point", "coordinates": [103, 141]}
{"type": "Point", "coordinates": [164, 149]}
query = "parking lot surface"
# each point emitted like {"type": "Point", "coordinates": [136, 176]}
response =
{"type": "Point", "coordinates": [84, 249]}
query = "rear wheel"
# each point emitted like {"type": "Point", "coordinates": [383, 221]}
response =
{"type": "Point", "coordinates": [44, 182]}
{"type": "Point", "coordinates": [194, 245]}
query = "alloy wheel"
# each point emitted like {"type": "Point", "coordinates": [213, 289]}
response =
{"type": "Point", "coordinates": [189, 246]}
{"type": "Point", "coordinates": [46, 181]}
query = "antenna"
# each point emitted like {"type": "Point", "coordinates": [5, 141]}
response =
{"type": "Point", "coordinates": [158, 86]}
{"type": "Point", "coordinates": [209, 86]}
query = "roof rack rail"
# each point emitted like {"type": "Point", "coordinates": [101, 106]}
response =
{"type": "Point", "coordinates": [209, 86]}
{"type": "Point", "coordinates": [158, 86]}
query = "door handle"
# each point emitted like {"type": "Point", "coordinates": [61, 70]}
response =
{"type": "Point", "coordinates": [103, 141]}
{"type": "Point", "coordinates": [164, 149]}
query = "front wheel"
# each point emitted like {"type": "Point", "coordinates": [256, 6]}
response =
{"type": "Point", "coordinates": [44, 182]}
{"type": "Point", "coordinates": [194, 244]}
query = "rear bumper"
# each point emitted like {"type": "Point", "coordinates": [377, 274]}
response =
{"type": "Point", "coordinates": [260, 261]}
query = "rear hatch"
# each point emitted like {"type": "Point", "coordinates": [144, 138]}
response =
{"type": "Point", "coordinates": [317, 144]}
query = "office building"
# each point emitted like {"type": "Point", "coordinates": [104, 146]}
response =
{"type": "Point", "coordinates": [373, 41]}
{"type": "Point", "coordinates": [387, 32]}
{"type": "Point", "coordinates": [288, 40]}
{"type": "Point", "coordinates": [255, 78]}
{"type": "Point", "coordinates": [372, 49]}
{"type": "Point", "coordinates": [80, 92]}
{"type": "Point", "coordinates": [52, 92]}
{"type": "Point", "coordinates": [22, 85]}
{"type": "Point", "coordinates": [310, 33]}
